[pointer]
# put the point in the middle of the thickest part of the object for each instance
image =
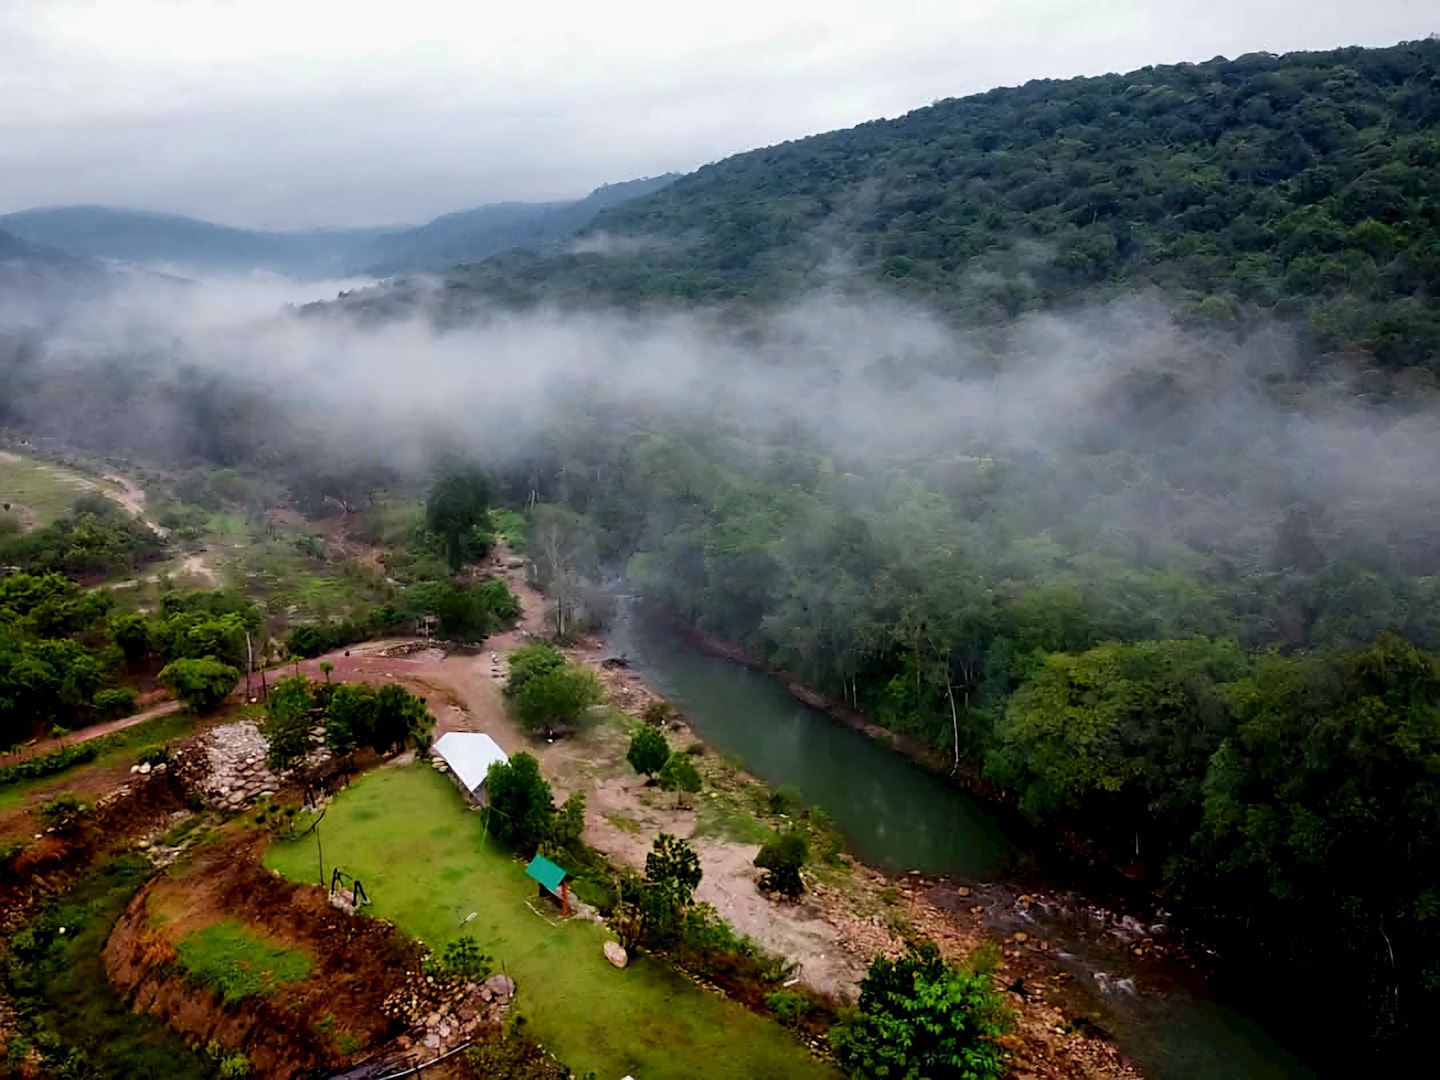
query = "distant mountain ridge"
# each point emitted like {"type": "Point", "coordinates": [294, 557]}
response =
{"type": "Point", "coordinates": [475, 235]}
{"type": "Point", "coordinates": [189, 244]}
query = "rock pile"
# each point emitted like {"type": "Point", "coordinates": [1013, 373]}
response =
{"type": "Point", "coordinates": [442, 1016]}
{"type": "Point", "coordinates": [235, 754]}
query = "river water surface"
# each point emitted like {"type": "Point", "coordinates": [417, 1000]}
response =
{"type": "Point", "coordinates": [898, 816]}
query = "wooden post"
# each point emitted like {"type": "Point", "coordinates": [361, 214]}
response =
{"type": "Point", "coordinates": [564, 897]}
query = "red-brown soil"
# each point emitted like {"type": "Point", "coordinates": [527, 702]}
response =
{"type": "Point", "coordinates": [327, 1020]}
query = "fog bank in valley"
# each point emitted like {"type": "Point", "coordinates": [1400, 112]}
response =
{"type": "Point", "coordinates": [870, 380]}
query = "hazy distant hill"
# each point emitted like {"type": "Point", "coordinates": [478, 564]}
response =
{"type": "Point", "coordinates": [14, 249]}
{"type": "Point", "coordinates": [472, 235]}
{"type": "Point", "coordinates": [187, 244]}
{"type": "Point", "coordinates": [39, 283]}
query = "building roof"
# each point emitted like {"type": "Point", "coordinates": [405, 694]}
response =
{"type": "Point", "coordinates": [469, 755]}
{"type": "Point", "coordinates": [547, 873]}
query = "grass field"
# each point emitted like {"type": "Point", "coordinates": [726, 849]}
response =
{"type": "Point", "coordinates": [426, 864]}
{"type": "Point", "coordinates": [46, 490]}
{"type": "Point", "coordinates": [238, 963]}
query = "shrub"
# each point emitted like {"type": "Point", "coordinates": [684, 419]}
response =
{"type": "Point", "coordinates": [680, 776]}
{"type": "Point", "coordinates": [781, 858]}
{"type": "Point", "coordinates": [557, 698]}
{"type": "Point", "coordinates": [920, 1016]}
{"type": "Point", "coordinates": [659, 713]}
{"type": "Point", "coordinates": [789, 1007]}
{"type": "Point", "coordinates": [117, 702]}
{"type": "Point", "coordinates": [156, 755]}
{"type": "Point", "coordinates": [64, 813]}
{"type": "Point", "coordinates": [648, 751]}
{"type": "Point", "coordinates": [202, 684]}
{"type": "Point", "coordinates": [785, 799]}
{"type": "Point", "coordinates": [50, 764]}
{"type": "Point", "coordinates": [464, 959]}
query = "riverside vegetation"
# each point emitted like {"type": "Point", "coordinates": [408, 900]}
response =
{"type": "Point", "coordinates": [1109, 475]}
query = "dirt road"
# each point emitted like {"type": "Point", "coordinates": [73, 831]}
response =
{"type": "Point", "coordinates": [94, 731]}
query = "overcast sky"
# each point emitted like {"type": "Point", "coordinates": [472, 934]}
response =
{"type": "Point", "coordinates": [282, 113]}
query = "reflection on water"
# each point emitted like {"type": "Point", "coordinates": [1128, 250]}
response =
{"type": "Point", "coordinates": [893, 814]}
{"type": "Point", "coordinates": [896, 815]}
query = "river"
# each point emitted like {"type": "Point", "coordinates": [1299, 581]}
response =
{"type": "Point", "coordinates": [898, 816]}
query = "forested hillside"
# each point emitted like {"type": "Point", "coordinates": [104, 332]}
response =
{"type": "Point", "coordinates": [1301, 186]}
{"type": "Point", "coordinates": [1084, 431]}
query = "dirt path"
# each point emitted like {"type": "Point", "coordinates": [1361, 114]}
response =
{"type": "Point", "coordinates": [94, 731]}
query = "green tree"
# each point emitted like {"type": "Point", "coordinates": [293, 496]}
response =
{"type": "Point", "coordinates": [521, 808]}
{"type": "Point", "coordinates": [457, 504]}
{"type": "Point", "coordinates": [64, 813]}
{"type": "Point", "coordinates": [781, 857]}
{"type": "Point", "coordinates": [648, 751]}
{"type": "Point", "coordinates": [673, 865]}
{"type": "Point", "coordinates": [203, 684]}
{"type": "Point", "coordinates": [401, 719]}
{"type": "Point", "coordinates": [1323, 813]}
{"type": "Point", "coordinates": [131, 634]}
{"type": "Point", "coordinates": [289, 722]}
{"type": "Point", "coordinates": [556, 699]}
{"type": "Point", "coordinates": [672, 873]}
{"type": "Point", "coordinates": [530, 662]}
{"type": "Point", "coordinates": [1118, 738]}
{"type": "Point", "coordinates": [568, 825]}
{"type": "Point", "coordinates": [680, 776]}
{"type": "Point", "coordinates": [465, 959]}
{"type": "Point", "coordinates": [921, 1017]}
{"type": "Point", "coordinates": [350, 718]}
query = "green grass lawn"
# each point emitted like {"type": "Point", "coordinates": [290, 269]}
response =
{"type": "Point", "coordinates": [426, 865]}
{"type": "Point", "coordinates": [48, 491]}
{"type": "Point", "coordinates": [237, 962]}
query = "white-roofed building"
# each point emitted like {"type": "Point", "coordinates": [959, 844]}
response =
{"type": "Point", "coordinates": [469, 755]}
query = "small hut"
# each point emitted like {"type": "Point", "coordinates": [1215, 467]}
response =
{"type": "Point", "coordinates": [554, 881]}
{"type": "Point", "coordinates": [469, 755]}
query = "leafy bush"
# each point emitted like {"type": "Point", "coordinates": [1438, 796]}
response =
{"type": "Point", "coordinates": [50, 764]}
{"type": "Point", "coordinates": [556, 699]}
{"type": "Point", "coordinates": [202, 684]}
{"type": "Point", "coordinates": [790, 1007]}
{"type": "Point", "coordinates": [781, 858]}
{"type": "Point", "coordinates": [920, 1016]}
{"type": "Point", "coordinates": [648, 751]}
{"type": "Point", "coordinates": [63, 813]}
{"type": "Point", "coordinates": [659, 713]}
{"type": "Point", "coordinates": [115, 702]}
{"type": "Point", "coordinates": [680, 776]}
{"type": "Point", "coordinates": [156, 755]}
